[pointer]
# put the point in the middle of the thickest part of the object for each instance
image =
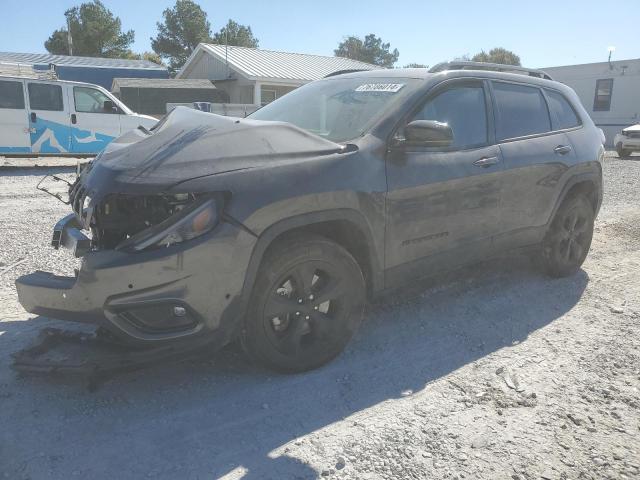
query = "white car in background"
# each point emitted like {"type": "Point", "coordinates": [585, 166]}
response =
{"type": "Point", "coordinates": [628, 141]}
{"type": "Point", "coordinates": [57, 117]}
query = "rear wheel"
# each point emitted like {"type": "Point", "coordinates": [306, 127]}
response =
{"type": "Point", "coordinates": [568, 240]}
{"type": "Point", "coordinates": [306, 304]}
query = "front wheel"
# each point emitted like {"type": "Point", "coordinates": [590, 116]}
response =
{"type": "Point", "coordinates": [622, 153]}
{"type": "Point", "coordinates": [568, 240]}
{"type": "Point", "coordinates": [306, 304]}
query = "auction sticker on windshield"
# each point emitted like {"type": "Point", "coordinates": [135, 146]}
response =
{"type": "Point", "coordinates": [380, 87]}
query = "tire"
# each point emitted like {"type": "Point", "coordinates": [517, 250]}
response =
{"type": "Point", "coordinates": [568, 239]}
{"type": "Point", "coordinates": [622, 153]}
{"type": "Point", "coordinates": [306, 304]}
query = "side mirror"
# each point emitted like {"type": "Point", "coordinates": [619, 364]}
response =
{"type": "Point", "coordinates": [108, 106]}
{"type": "Point", "coordinates": [429, 133]}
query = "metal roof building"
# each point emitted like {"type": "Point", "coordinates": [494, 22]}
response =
{"type": "Point", "coordinates": [100, 71]}
{"type": "Point", "coordinates": [252, 75]}
{"type": "Point", "coordinates": [151, 96]}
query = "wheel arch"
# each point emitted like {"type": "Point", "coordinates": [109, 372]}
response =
{"type": "Point", "coordinates": [588, 184]}
{"type": "Point", "coordinates": [347, 227]}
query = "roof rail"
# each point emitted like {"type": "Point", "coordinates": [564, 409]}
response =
{"type": "Point", "coordinates": [23, 70]}
{"type": "Point", "coordinates": [342, 72]}
{"type": "Point", "coordinates": [494, 67]}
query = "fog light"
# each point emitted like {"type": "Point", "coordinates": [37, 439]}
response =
{"type": "Point", "coordinates": [179, 311]}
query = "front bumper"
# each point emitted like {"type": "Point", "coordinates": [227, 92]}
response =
{"type": "Point", "coordinates": [627, 143]}
{"type": "Point", "coordinates": [172, 293]}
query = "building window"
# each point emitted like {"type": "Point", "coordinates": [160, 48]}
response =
{"type": "Point", "coordinates": [267, 96]}
{"type": "Point", "coordinates": [602, 99]}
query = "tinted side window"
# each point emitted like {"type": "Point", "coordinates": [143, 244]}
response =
{"type": "Point", "coordinates": [11, 95]}
{"type": "Point", "coordinates": [90, 100]}
{"type": "Point", "coordinates": [520, 111]}
{"type": "Point", "coordinates": [602, 98]}
{"type": "Point", "coordinates": [43, 96]}
{"type": "Point", "coordinates": [562, 113]}
{"type": "Point", "coordinates": [463, 108]}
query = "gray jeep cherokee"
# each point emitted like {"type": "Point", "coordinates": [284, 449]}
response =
{"type": "Point", "coordinates": [275, 229]}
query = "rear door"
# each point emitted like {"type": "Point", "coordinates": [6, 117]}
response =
{"type": "Point", "coordinates": [48, 117]}
{"type": "Point", "coordinates": [14, 125]}
{"type": "Point", "coordinates": [443, 204]}
{"type": "Point", "coordinates": [536, 152]}
{"type": "Point", "coordinates": [95, 119]}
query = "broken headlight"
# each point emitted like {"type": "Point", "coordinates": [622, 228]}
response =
{"type": "Point", "coordinates": [192, 221]}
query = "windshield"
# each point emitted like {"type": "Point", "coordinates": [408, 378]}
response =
{"type": "Point", "coordinates": [337, 109]}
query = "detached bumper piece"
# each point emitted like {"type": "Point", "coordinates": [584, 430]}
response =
{"type": "Point", "coordinates": [95, 357]}
{"type": "Point", "coordinates": [67, 234]}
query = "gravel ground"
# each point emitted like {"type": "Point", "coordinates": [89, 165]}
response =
{"type": "Point", "coordinates": [497, 373]}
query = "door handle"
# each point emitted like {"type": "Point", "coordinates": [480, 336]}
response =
{"type": "Point", "coordinates": [562, 149]}
{"type": "Point", "coordinates": [74, 119]}
{"type": "Point", "coordinates": [486, 161]}
{"type": "Point", "coordinates": [34, 117]}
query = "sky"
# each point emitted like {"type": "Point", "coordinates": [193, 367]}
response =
{"type": "Point", "coordinates": [543, 33]}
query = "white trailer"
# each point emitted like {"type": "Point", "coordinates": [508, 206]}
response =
{"type": "Point", "coordinates": [609, 91]}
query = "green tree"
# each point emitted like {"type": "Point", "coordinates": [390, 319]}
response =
{"type": "Point", "coordinates": [497, 55]}
{"type": "Point", "coordinates": [95, 32]}
{"type": "Point", "coordinates": [150, 56]}
{"type": "Point", "coordinates": [235, 34]}
{"type": "Point", "coordinates": [183, 27]}
{"type": "Point", "coordinates": [370, 50]}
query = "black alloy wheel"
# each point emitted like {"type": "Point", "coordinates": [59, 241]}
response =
{"type": "Point", "coordinates": [306, 305]}
{"type": "Point", "coordinates": [568, 240]}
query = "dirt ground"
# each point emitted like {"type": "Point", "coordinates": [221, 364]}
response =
{"type": "Point", "coordinates": [497, 373]}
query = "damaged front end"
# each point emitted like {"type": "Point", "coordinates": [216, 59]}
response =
{"type": "Point", "coordinates": [132, 285]}
{"type": "Point", "coordinates": [131, 281]}
{"type": "Point", "coordinates": [163, 261]}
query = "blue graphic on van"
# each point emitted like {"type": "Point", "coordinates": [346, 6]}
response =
{"type": "Point", "coordinates": [53, 137]}
{"type": "Point", "coordinates": [15, 149]}
{"type": "Point", "coordinates": [50, 137]}
{"type": "Point", "coordinates": [85, 141]}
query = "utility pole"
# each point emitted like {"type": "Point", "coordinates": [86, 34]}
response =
{"type": "Point", "coordinates": [69, 39]}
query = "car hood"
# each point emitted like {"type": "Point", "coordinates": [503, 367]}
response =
{"type": "Point", "coordinates": [188, 144]}
{"type": "Point", "coordinates": [632, 128]}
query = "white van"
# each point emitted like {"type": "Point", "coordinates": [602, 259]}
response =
{"type": "Point", "coordinates": [61, 117]}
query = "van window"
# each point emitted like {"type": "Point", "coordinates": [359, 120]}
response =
{"type": "Point", "coordinates": [562, 113]}
{"type": "Point", "coordinates": [90, 100]}
{"type": "Point", "coordinates": [11, 95]}
{"type": "Point", "coordinates": [602, 98]}
{"type": "Point", "coordinates": [463, 108]}
{"type": "Point", "coordinates": [44, 96]}
{"type": "Point", "coordinates": [520, 110]}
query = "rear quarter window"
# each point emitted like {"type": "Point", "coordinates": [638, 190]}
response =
{"type": "Point", "coordinates": [520, 111]}
{"type": "Point", "coordinates": [562, 113]}
{"type": "Point", "coordinates": [11, 95]}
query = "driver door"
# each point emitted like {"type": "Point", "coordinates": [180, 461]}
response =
{"type": "Point", "coordinates": [93, 125]}
{"type": "Point", "coordinates": [443, 203]}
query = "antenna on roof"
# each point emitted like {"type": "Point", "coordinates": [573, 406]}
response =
{"type": "Point", "coordinates": [610, 50]}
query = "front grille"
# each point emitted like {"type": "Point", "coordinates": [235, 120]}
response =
{"type": "Point", "coordinates": [632, 134]}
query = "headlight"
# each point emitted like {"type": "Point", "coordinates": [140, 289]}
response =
{"type": "Point", "coordinates": [191, 222]}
